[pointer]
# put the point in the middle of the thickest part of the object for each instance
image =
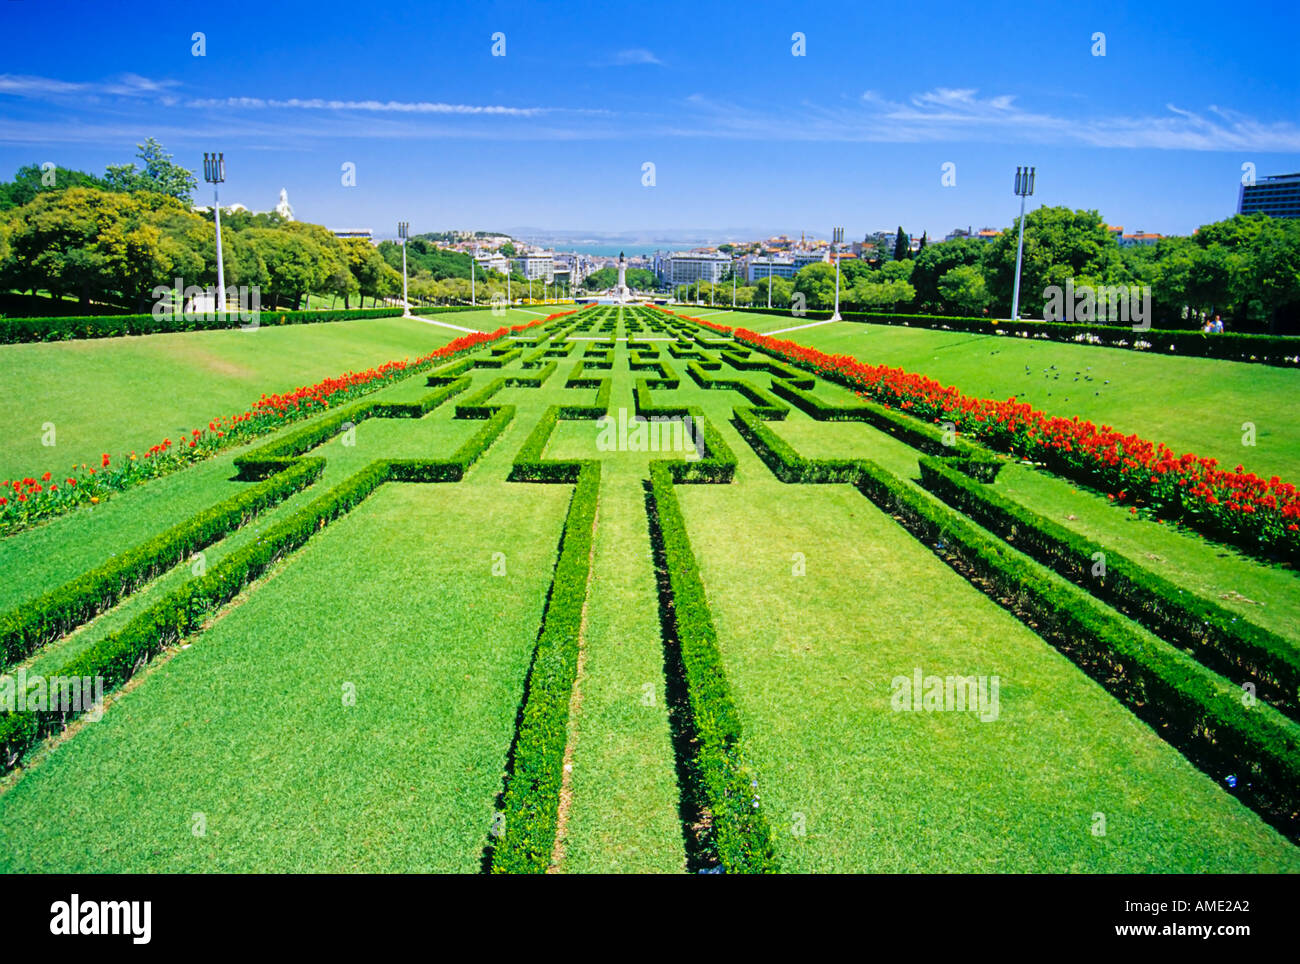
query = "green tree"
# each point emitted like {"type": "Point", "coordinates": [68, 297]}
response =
{"type": "Point", "coordinates": [159, 174]}
{"type": "Point", "coordinates": [30, 180]}
{"type": "Point", "coordinates": [934, 261]}
{"type": "Point", "coordinates": [817, 283]}
{"type": "Point", "coordinates": [782, 288]}
{"type": "Point", "coordinates": [96, 245]}
{"type": "Point", "coordinates": [963, 290]}
{"type": "Point", "coordinates": [1059, 243]}
{"type": "Point", "coordinates": [902, 247]}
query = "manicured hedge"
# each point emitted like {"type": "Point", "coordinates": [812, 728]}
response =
{"type": "Point", "coordinates": [718, 463]}
{"type": "Point", "coordinates": [1224, 640]}
{"type": "Point", "coordinates": [27, 628]}
{"type": "Point", "coordinates": [912, 431]}
{"type": "Point", "coordinates": [279, 453]}
{"type": "Point", "coordinates": [424, 405]}
{"type": "Point", "coordinates": [118, 656]}
{"type": "Point", "coordinates": [18, 330]}
{"type": "Point", "coordinates": [453, 468]}
{"type": "Point", "coordinates": [1191, 706]}
{"type": "Point", "coordinates": [769, 406]}
{"type": "Point", "coordinates": [739, 833]}
{"type": "Point", "coordinates": [532, 795]}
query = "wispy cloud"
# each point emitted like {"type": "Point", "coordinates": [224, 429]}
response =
{"type": "Point", "coordinates": [961, 114]}
{"type": "Point", "coordinates": [942, 114]}
{"type": "Point", "coordinates": [630, 57]}
{"type": "Point", "coordinates": [373, 106]}
{"type": "Point", "coordinates": [126, 85]}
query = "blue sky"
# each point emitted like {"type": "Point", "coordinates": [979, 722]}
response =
{"type": "Point", "coordinates": [743, 135]}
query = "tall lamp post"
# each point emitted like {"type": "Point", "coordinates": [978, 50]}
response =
{"type": "Point", "coordinates": [472, 302]}
{"type": "Point", "coordinates": [1024, 188]}
{"type": "Point", "coordinates": [214, 172]}
{"type": "Point", "coordinates": [769, 281]}
{"type": "Point", "coordinates": [404, 232]}
{"type": "Point", "coordinates": [733, 285]}
{"type": "Point", "coordinates": [837, 238]}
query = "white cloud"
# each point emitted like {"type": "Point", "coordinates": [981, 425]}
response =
{"type": "Point", "coordinates": [127, 85]}
{"type": "Point", "coordinates": [942, 114]}
{"type": "Point", "coordinates": [373, 106]}
{"type": "Point", "coordinates": [961, 114]}
{"type": "Point", "coordinates": [630, 57]}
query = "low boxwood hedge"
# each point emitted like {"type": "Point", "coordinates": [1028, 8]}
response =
{"type": "Point", "coordinates": [32, 625]}
{"type": "Point", "coordinates": [912, 431]}
{"type": "Point", "coordinates": [739, 833]}
{"type": "Point", "coordinates": [1222, 639]}
{"type": "Point", "coordinates": [119, 655]}
{"type": "Point", "coordinates": [532, 795]}
{"type": "Point", "coordinates": [1249, 747]}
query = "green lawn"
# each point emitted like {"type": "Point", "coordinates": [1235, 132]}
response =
{"type": "Point", "coordinates": [1191, 404]}
{"type": "Point", "coordinates": [429, 598]}
{"type": "Point", "coordinates": [118, 394]}
{"type": "Point", "coordinates": [850, 785]}
{"type": "Point", "coordinates": [248, 726]}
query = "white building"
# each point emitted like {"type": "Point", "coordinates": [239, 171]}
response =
{"type": "Point", "coordinates": [760, 268]}
{"type": "Point", "coordinates": [534, 266]}
{"type": "Point", "coordinates": [687, 267]}
{"type": "Point", "coordinates": [492, 261]}
{"type": "Point", "coordinates": [804, 258]}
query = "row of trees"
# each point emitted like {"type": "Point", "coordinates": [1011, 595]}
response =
{"type": "Point", "coordinates": [1246, 268]}
{"type": "Point", "coordinates": [110, 241]}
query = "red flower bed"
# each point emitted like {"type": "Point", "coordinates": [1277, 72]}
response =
{"type": "Point", "coordinates": [1234, 505]}
{"type": "Point", "coordinates": [26, 500]}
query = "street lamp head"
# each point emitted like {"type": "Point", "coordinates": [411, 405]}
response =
{"type": "Point", "coordinates": [403, 229]}
{"type": "Point", "coordinates": [1024, 181]}
{"type": "Point", "coordinates": [214, 167]}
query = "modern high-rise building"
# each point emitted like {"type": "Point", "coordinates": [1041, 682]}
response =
{"type": "Point", "coordinates": [760, 268]}
{"type": "Point", "coordinates": [1277, 195]}
{"type": "Point", "coordinates": [686, 267]}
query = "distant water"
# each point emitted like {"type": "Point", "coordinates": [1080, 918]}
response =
{"type": "Point", "coordinates": [605, 249]}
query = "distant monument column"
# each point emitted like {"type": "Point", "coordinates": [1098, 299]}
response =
{"type": "Point", "coordinates": [621, 292]}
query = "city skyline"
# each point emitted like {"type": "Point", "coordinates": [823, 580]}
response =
{"type": "Point", "coordinates": [553, 136]}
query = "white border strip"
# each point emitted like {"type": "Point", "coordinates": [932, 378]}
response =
{"type": "Point", "coordinates": [444, 324]}
{"type": "Point", "coordinates": [782, 331]}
